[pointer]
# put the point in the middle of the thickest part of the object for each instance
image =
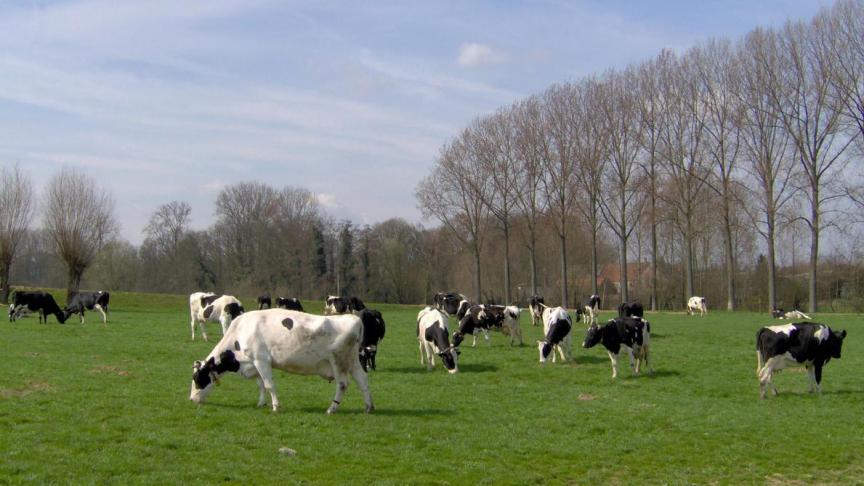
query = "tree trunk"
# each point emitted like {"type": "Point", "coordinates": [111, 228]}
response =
{"type": "Point", "coordinates": [654, 304]}
{"type": "Point", "coordinates": [507, 296]}
{"type": "Point", "coordinates": [74, 285]}
{"type": "Point", "coordinates": [477, 286]}
{"type": "Point", "coordinates": [688, 263]}
{"type": "Point", "coordinates": [4, 283]}
{"type": "Point", "coordinates": [622, 261]}
{"type": "Point", "coordinates": [533, 257]}
{"type": "Point", "coordinates": [772, 279]}
{"type": "Point", "coordinates": [562, 238]}
{"type": "Point", "coordinates": [594, 270]}
{"type": "Point", "coordinates": [814, 249]}
{"type": "Point", "coordinates": [730, 254]}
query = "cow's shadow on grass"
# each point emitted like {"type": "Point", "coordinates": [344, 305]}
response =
{"type": "Point", "coordinates": [655, 335]}
{"type": "Point", "coordinates": [386, 411]}
{"type": "Point", "coordinates": [420, 369]}
{"type": "Point", "coordinates": [661, 374]}
{"type": "Point", "coordinates": [590, 359]}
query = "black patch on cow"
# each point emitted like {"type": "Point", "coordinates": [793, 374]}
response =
{"type": "Point", "coordinates": [288, 323]}
{"type": "Point", "coordinates": [355, 304]}
{"type": "Point", "coordinates": [236, 345]}
{"type": "Point", "coordinates": [227, 362]}
{"type": "Point", "coordinates": [558, 331]}
{"type": "Point", "coordinates": [625, 331]}
{"type": "Point", "coordinates": [631, 309]}
{"type": "Point", "coordinates": [233, 309]}
{"type": "Point", "coordinates": [208, 299]}
{"type": "Point", "coordinates": [289, 303]}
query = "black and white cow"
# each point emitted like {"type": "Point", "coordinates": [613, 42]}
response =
{"type": "Point", "coordinates": [88, 301]}
{"type": "Point", "coordinates": [335, 304]}
{"type": "Point", "coordinates": [289, 303]}
{"type": "Point", "coordinates": [448, 302]}
{"type": "Point", "coordinates": [793, 314]}
{"type": "Point", "coordinates": [623, 333]}
{"type": "Point", "coordinates": [589, 308]}
{"type": "Point", "coordinates": [556, 329]}
{"type": "Point", "coordinates": [264, 301]}
{"type": "Point", "coordinates": [631, 309]}
{"type": "Point", "coordinates": [433, 339]}
{"type": "Point", "coordinates": [373, 333]}
{"type": "Point", "coordinates": [536, 305]}
{"type": "Point", "coordinates": [805, 344]}
{"type": "Point", "coordinates": [207, 306]}
{"type": "Point", "coordinates": [478, 317]}
{"type": "Point", "coordinates": [697, 303]}
{"type": "Point", "coordinates": [43, 303]}
{"type": "Point", "coordinates": [294, 342]}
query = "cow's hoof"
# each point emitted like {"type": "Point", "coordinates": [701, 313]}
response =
{"type": "Point", "coordinates": [331, 410]}
{"type": "Point", "coordinates": [370, 408]}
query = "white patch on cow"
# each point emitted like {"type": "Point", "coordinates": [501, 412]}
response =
{"type": "Point", "coordinates": [783, 329]}
{"type": "Point", "coordinates": [822, 334]}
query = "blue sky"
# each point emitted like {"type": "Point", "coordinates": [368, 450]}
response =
{"type": "Point", "coordinates": [163, 100]}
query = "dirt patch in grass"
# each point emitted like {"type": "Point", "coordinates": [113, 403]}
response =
{"type": "Point", "coordinates": [110, 370]}
{"type": "Point", "coordinates": [27, 389]}
{"type": "Point", "coordinates": [586, 397]}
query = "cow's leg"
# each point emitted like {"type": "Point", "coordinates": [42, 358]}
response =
{"type": "Point", "coordinates": [81, 316]}
{"type": "Point", "coordinates": [817, 375]}
{"type": "Point", "coordinates": [362, 381]}
{"type": "Point", "coordinates": [422, 352]}
{"type": "Point", "coordinates": [633, 367]}
{"type": "Point", "coordinates": [811, 374]}
{"type": "Point", "coordinates": [766, 377]}
{"type": "Point", "coordinates": [224, 322]}
{"type": "Point", "coordinates": [192, 325]}
{"type": "Point", "coordinates": [341, 385]}
{"type": "Point", "coordinates": [759, 362]}
{"type": "Point", "coordinates": [265, 372]}
{"type": "Point", "coordinates": [614, 358]}
{"type": "Point", "coordinates": [486, 336]}
{"type": "Point", "coordinates": [262, 397]}
{"type": "Point", "coordinates": [104, 315]}
{"type": "Point", "coordinates": [474, 340]}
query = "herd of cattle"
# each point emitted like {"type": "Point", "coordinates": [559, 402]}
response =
{"type": "Point", "coordinates": [344, 341]}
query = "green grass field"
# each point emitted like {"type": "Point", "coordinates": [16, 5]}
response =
{"type": "Point", "coordinates": [109, 404]}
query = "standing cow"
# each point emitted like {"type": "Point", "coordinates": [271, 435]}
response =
{"type": "Point", "coordinates": [433, 339]}
{"type": "Point", "coordinates": [590, 308]}
{"type": "Point", "coordinates": [631, 309]}
{"type": "Point", "coordinates": [697, 304]}
{"type": "Point", "coordinates": [304, 344]}
{"type": "Point", "coordinates": [373, 332]}
{"type": "Point", "coordinates": [448, 302]}
{"type": "Point", "coordinates": [289, 303]}
{"type": "Point", "coordinates": [42, 303]}
{"type": "Point", "coordinates": [803, 344]}
{"type": "Point", "coordinates": [264, 300]}
{"type": "Point", "coordinates": [631, 334]}
{"type": "Point", "coordinates": [207, 306]}
{"type": "Point", "coordinates": [556, 329]}
{"type": "Point", "coordinates": [536, 305]}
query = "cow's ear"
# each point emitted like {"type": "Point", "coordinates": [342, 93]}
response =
{"type": "Point", "coordinates": [843, 334]}
{"type": "Point", "coordinates": [197, 365]}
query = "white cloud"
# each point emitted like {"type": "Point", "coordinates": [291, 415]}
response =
{"type": "Point", "coordinates": [473, 55]}
{"type": "Point", "coordinates": [327, 200]}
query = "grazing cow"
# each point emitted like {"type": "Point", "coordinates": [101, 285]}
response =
{"type": "Point", "coordinates": [631, 309]}
{"type": "Point", "coordinates": [556, 328]}
{"type": "Point", "coordinates": [88, 301]}
{"type": "Point", "coordinates": [207, 306]}
{"type": "Point", "coordinates": [373, 333]}
{"type": "Point", "coordinates": [630, 333]}
{"type": "Point", "coordinates": [810, 345]}
{"type": "Point", "coordinates": [448, 302]}
{"type": "Point", "coordinates": [793, 314]}
{"type": "Point", "coordinates": [291, 303]}
{"type": "Point", "coordinates": [264, 300]}
{"type": "Point", "coordinates": [433, 339]}
{"type": "Point", "coordinates": [536, 305]}
{"type": "Point", "coordinates": [341, 305]}
{"type": "Point", "coordinates": [697, 304]}
{"type": "Point", "coordinates": [589, 308]}
{"type": "Point", "coordinates": [476, 317]}
{"type": "Point", "coordinates": [294, 342]}
{"type": "Point", "coordinates": [37, 301]}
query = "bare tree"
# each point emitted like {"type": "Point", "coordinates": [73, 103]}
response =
{"type": "Point", "coordinates": [682, 134]}
{"type": "Point", "coordinates": [531, 150]}
{"type": "Point", "coordinates": [493, 144]}
{"type": "Point", "coordinates": [800, 89]}
{"type": "Point", "coordinates": [80, 221]}
{"type": "Point", "coordinates": [648, 89]}
{"type": "Point", "coordinates": [589, 152]}
{"type": "Point", "coordinates": [167, 226]}
{"type": "Point", "coordinates": [844, 41]}
{"type": "Point", "coordinates": [714, 68]}
{"type": "Point", "coordinates": [559, 182]}
{"type": "Point", "coordinates": [622, 198]}
{"type": "Point", "coordinates": [454, 195]}
{"type": "Point", "coordinates": [16, 211]}
{"type": "Point", "coordinates": [765, 143]}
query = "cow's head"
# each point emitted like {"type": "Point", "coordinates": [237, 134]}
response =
{"type": "Point", "coordinates": [592, 336]}
{"type": "Point", "coordinates": [579, 312]}
{"type": "Point", "coordinates": [234, 309]}
{"type": "Point", "coordinates": [458, 337]}
{"type": "Point", "coordinates": [450, 356]}
{"type": "Point", "coordinates": [545, 347]}
{"type": "Point", "coordinates": [777, 313]}
{"type": "Point", "coordinates": [205, 374]}
{"type": "Point", "coordinates": [835, 342]}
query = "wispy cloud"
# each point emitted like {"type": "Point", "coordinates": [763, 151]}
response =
{"type": "Point", "coordinates": [473, 55]}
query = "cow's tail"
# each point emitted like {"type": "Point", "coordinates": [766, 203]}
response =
{"type": "Point", "coordinates": [760, 360]}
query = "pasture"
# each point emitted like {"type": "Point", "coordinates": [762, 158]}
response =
{"type": "Point", "coordinates": [109, 404]}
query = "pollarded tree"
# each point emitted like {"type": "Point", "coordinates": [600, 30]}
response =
{"type": "Point", "coordinates": [167, 226]}
{"type": "Point", "coordinates": [16, 211]}
{"type": "Point", "coordinates": [79, 217]}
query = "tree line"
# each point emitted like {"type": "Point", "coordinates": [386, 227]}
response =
{"type": "Point", "coordinates": [722, 144]}
{"type": "Point", "coordinates": [700, 172]}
